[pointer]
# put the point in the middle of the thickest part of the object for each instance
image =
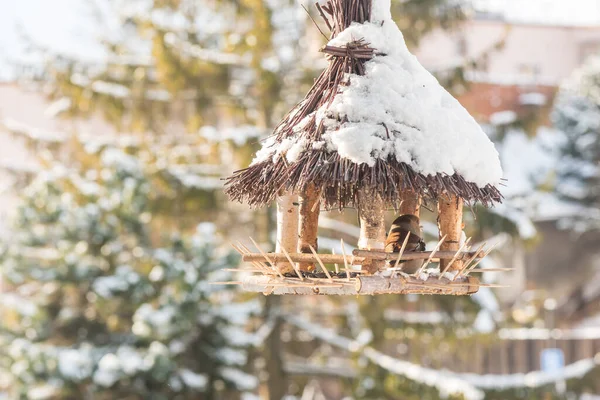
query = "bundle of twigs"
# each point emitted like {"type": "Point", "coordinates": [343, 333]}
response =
{"type": "Point", "coordinates": [340, 179]}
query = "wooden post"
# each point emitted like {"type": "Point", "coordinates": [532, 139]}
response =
{"type": "Point", "coordinates": [287, 228]}
{"type": "Point", "coordinates": [411, 203]}
{"type": "Point", "coordinates": [309, 224]}
{"type": "Point", "coordinates": [450, 210]}
{"type": "Point", "coordinates": [372, 226]}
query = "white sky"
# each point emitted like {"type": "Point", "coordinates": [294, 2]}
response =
{"type": "Point", "coordinates": [553, 12]}
{"type": "Point", "coordinates": [62, 25]}
{"type": "Point", "coordinates": [68, 26]}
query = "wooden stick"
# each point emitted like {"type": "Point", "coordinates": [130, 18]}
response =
{"type": "Point", "coordinates": [240, 249]}
{"type": "Point", "coordinates": [430, 256]}
{"type": "Point", "coordinates": [337, 267]}
{"type": "Point", "coordinates": [402, 250]}
{"type": "Point", "coordinates": [259, 264]}
{"type": "Point", "coordinates": [466, 265]}
{"type": "Point", "coordinates": [321, 263]}
{"type": "Point", "coordinates": [480, 260]}
{"type": "Point", "coordinates": [465, 244]}
{"type": "Point", "coordinates": [345, 260]}
{"type": "Point", "coordinates": [463, 267]}
{"type": "Point", "coordinates": [293, 264]}
{"type": "Point", "coordinates": [236, 248]}
{"type": "Point", "coordinates": [267, 258]}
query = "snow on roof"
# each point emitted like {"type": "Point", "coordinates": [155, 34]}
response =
{"type": "Point", "coordinates": [373, 118]}
{"type": "Point", "coordinates": [542, 12]}
{"type": "Point", "coordinates": [398, 109]}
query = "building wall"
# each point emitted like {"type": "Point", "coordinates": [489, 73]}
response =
{"type": "Point", "coordinates": [531, 54]}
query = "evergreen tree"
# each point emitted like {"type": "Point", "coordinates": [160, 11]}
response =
{"type": "Point", "coordinates": [577, 115]}
{"type": "Point", "coordinates": [198, 67]}
{"type": "Point", "coordinates": [97, 304]}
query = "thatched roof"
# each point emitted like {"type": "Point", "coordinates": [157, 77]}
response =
{"type": "Point", "coordinates": [375, 119]}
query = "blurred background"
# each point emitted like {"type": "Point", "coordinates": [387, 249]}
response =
{"type": "Point", "coordinates": [118, 119]}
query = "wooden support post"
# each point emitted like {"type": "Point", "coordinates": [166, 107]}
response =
{"type": "Point", "coordinates": [411, 203]}
{"type": "Point", "coordinates": [372, 226]}
{"type": "Point", "coordinates": [287, 228]}
{"type": "Point", "coordinates": [450, 211]}
{"type": "Point", "coordinates": [309, 224]}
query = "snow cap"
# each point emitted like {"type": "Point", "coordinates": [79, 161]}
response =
{"type": "Point", "coordinates": [375, 118]}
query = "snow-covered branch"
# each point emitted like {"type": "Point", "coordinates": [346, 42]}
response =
{"type": "Point", "coordinates": [445, 382]}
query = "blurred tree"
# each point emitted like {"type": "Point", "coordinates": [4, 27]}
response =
{"type": "Point", "coordinates": [187, 71]}
{"type": "Point", "coordinates": [416, 18]}
{"type": "Point", "coordinates": [196, 63]}
{"type": "Point", "coordinates": [93, 306]}
{"type": "Point", "coordinates": [577, 115]}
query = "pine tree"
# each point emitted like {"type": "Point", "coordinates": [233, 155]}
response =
{"type": "Point", "coordinates": [96, 304]}
{"type": "Point", "coordinates": [577, 116]}
{"type": "Point", "coordinates": [200, 67]}
{"type": "Point", "coordinates": [197, 63]}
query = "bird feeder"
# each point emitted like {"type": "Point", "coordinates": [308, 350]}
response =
{"type": "Point", "coordinates": [376, 130]}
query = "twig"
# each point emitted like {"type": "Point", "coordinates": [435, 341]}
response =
{"type": "Point", "coordinates": [437, 247]}
{"type": "Point", "coordinates": [291, 262]}
{"type": "Point", "coordinates": [469, 261]}
{"type": "Point", "coordinates": [314, 22]}
{"type": "Point", "coordinates": [267, 258]}
{"type": "Point", "coordinates": [465, 244]}
{"type": "Point", "coordinates": [320, 262]}
{"type": "Point", "coordinates": [402, 250]}
{"type": "Point", "coordinates": [337, 267]}
{"type": "Point", "coordinates": [481, 259]}
{"type": "Point", "coordinates": [345, 261]}
{"type": "Point", "coordinates": [236, 248]}
{"type": "Point", "coordinates": [255, 263]}
{"type": "Point", "coordinates": [324, 17]}
{"type": "Point", "coordinates": [243, 252]}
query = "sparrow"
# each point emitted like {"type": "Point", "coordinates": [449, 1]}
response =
{"type": "Point", "coordinates": [401, 227]}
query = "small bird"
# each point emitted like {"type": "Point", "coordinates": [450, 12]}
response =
{"type": "Point", "coordinates": [400, 228]}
